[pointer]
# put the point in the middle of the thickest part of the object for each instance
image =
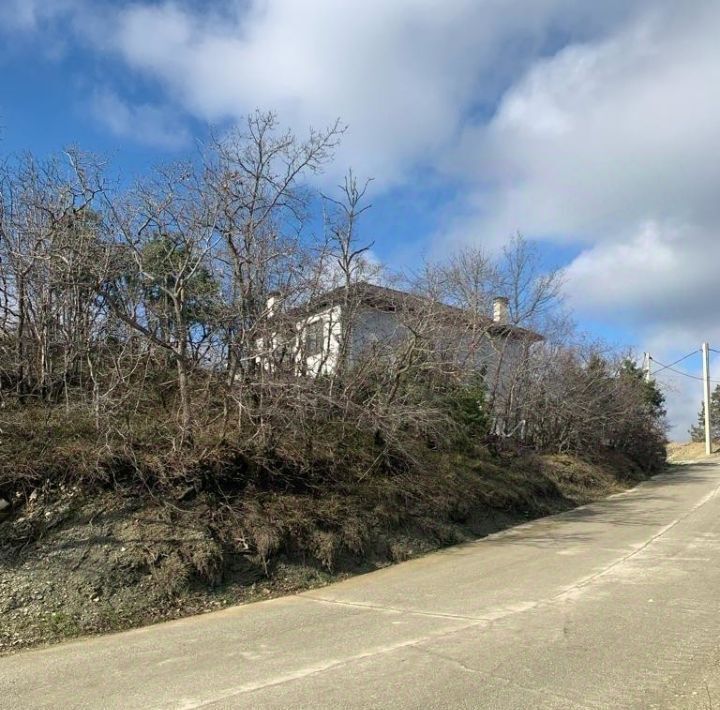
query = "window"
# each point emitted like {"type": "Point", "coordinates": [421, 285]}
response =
{"type": "Point", "coordinates": [315, 338]}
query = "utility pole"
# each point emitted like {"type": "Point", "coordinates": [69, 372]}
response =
{"type": "Point", "coordinates": [646, 366]}
{"type": "Point", "coordinates": [706, 392]}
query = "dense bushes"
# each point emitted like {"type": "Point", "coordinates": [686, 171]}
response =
{"type": "Point", "coordinates": [584, 403]}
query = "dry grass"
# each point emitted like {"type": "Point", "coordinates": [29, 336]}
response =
{"type": "Point", "coordinates": [689, 451]}
{"type": "Point", "coordinates": [78, 561]}
{"type": "Point", "coordinates": [109, 533]}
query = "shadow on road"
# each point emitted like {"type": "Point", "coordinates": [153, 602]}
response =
{"type": "Point", "coordinates": [643, 506]}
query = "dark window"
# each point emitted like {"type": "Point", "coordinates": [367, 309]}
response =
{"type": "Point", "coordinates": [315, 338]}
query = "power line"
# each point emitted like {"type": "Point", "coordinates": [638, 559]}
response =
{"type": "Point", "coordinates": [672, 364]}
{"type": "Point", "coordinates": [705, 379]}
{"type": "Point", "coordinates": [681, 372]}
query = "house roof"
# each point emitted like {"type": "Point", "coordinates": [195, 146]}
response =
{"type": "Point", "coordinates": [390, 299]}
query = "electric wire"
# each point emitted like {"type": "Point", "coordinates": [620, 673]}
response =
{"type": "Point", "coordinates": [680, 372]}
{"type": "Point", "coordinates": [685, 374]}
{"type": "Point", "coordinates": [672, 364]}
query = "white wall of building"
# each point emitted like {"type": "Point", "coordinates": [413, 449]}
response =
{"type": "Point", "coordinates": [325, 362]}
{"type": "Point", "coordinates": [376, 330]}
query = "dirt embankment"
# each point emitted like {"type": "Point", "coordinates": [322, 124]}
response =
{"type": "Point", "coordinates": [75, 563]}
{"type": "Point", "coordinates": [689, 451]}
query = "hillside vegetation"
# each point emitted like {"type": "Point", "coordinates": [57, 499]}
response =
{"type": "Point", "coordinates": [164, 445]}
{"type": "Point", "coordinates": [80, 561]}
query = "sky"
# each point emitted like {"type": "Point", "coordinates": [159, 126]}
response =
{"type": "Point", "coordinates": [592, 128]}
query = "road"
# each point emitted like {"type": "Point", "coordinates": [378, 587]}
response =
{"type": "Point", "coordinates": [612, 605]}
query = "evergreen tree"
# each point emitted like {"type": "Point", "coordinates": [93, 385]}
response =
{"type": "Point", "coordinates": [652, 394]}
{"type": "Point", "coordinates": [697, 432]}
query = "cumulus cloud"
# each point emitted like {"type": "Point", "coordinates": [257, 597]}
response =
{"type": "Point", "coordinates": [404, 75]}
{"type": "Point", "coordinates": [662, 285]}
{"type": "Point", "coordinates": [396, 72]}
{"type": "Point", "coordinates": [607, 134]}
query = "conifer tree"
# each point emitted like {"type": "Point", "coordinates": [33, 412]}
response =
{"type": "Point", "coordinates": [697, 431]}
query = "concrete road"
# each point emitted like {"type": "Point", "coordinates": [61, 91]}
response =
{"type": "Point", "coordinates": [612, 605]}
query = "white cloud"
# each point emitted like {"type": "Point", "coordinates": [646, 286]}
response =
{"type": "Point", "coordinates": [605, 135]}
{"type": "Point", "coordinates": [662, 285]}
{"type": "Point", "coordinates": [645, 277]}
{"type": "Point", "coordinates": [377, 66]}
{"type": "Point", "coordinates": [144, 123]}
{"type": "Point", "coordinates": [404, 75]}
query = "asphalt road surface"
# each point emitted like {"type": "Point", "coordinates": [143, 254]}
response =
{"type": "Point", "coordinates": [613, 605]}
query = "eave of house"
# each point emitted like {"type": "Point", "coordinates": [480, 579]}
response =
{"type": "Point", "coordinates": [392, 300]}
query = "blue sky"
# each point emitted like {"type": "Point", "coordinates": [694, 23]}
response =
{"type": "Point", "coordinates": [593, 128]}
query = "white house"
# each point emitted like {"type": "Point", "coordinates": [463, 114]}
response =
{"type": "Point", "coordinates": [376, 317]}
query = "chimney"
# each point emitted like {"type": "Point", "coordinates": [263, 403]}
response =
{"type": "Point", "coordinates": [501, 312]}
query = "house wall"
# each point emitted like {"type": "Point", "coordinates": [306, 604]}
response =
{"type": "Point", "coordinates": [375, 330]}
{"type": "Point", "coordinates": [325, 362]}
{"type": "Point", "coordinates": [372, 328]}
{"type": "Point", "coordinates": [495, 356]}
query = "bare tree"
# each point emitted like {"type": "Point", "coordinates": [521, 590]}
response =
{"type": "Point", "coordinates": [535, 293]}
{"type": "Point", "coordinates": [50, 264]}
{"type": "Point", "coordinates": [164, 289]}
{"type": "Point", "coordinates": [179, 314]}
{"type": "Point", "coordinates": [344, 250]}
